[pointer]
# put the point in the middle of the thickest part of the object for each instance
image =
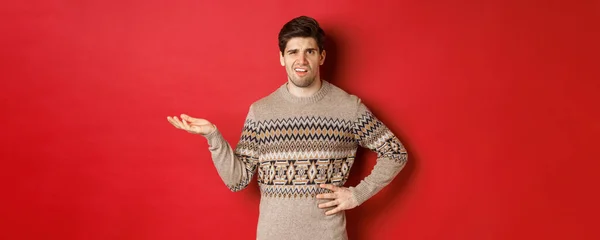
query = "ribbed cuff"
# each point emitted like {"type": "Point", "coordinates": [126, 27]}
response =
{"type": "Point", "coordinates": [359, 193]}
{"type": "Point", "coordinates": [214, 138]}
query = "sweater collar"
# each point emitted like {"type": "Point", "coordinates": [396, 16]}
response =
{"type": "Point", "coordinates": [325, 86]}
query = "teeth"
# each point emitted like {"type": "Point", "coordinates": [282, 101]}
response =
{"type": "Point", "coordinates": [300, 70]}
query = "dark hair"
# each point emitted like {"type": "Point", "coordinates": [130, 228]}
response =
{"type": "Point", "coordinates": [302, 26]}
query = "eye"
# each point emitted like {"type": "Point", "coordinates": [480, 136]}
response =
{"type": "Point", "coordinates": [310, 51]}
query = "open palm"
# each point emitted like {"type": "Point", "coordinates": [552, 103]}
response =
{"type": "Point", "coordinates": [192, 125]}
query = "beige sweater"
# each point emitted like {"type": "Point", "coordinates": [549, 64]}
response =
{"type": "Point", "coordinates": [297, 143]}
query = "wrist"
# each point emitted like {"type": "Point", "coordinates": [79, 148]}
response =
{"type": "Point", "coordinates": [213, 128]}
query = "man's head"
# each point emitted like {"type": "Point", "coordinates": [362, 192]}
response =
{"type": "Point", "coordinates": [301, 50]}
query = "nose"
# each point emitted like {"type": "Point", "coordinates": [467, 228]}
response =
{"type": "Point", "coordinates": [302, 58]}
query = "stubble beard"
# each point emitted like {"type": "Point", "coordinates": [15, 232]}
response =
{"type": "Point", "coordinates": [302, 82]}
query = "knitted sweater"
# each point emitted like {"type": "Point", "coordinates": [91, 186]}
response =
{"type": "Point", "coordinates": [296, 143]}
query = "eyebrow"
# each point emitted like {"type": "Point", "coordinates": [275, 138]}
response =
{"type": "Point", "coordinates": [296, 50]}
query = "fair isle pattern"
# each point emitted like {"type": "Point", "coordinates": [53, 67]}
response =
{"type": "Point", "coordinates": [292, 191]}
{"type": "Point", "coordinates": [372, 134]}
{"type": "Point", "coordinates": [294, 155]}
{"type": "Point", "coordinates": [304, 151]}
{"type": "Point", "coordinates": [293, 144]}
{"type": "Point", "coordinates": [247, 152]}
{"type": "Point", "coordinates": [302, 138]}
{"type": "Point", "coordinates": [305, 172]}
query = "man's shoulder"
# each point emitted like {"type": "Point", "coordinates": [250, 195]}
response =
{"type": "Point", "coordinates": [266, 101]}
{"type": "Point", "coordinates": [341, 97]}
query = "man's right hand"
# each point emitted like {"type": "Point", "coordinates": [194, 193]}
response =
{"type": "Point", "coordinates": [192, 125]}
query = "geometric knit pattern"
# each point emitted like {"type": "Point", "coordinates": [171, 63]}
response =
{"type": "Point", "coordinates": [303, 191]}
{"type": "Point", "coordinates": [292, 154]}
{"type": "Point", "coordinates": [292, 144]}
{"type": "Point", "coordinates": [372, 134]}
{"type": "Point", "coordinates": [247, 152]}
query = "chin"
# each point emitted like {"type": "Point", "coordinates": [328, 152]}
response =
{"type": "Point", "coordinates": [302, 83]}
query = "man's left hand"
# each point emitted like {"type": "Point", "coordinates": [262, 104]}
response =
{"type": "Point", "coordinates": [341, 197]}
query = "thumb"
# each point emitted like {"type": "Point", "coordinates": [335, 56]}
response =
{"type": "Point", "coordinates": [187, 118]}
{"type": "Point", "coordinates": [194, 121]}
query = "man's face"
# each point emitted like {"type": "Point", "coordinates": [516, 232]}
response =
{"type": "Point", "coordinates": [301, 59]}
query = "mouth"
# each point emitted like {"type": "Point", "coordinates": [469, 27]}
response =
{"type": "Point", "coordinates": [301, 71]}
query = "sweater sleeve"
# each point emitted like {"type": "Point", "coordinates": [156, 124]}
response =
{"type": "Point", "coordinates": [371, 133]}
{"type": "Point", "coordinates": [236, 168]}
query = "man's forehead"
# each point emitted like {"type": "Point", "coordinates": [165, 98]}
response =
{"type": "Point", "coordinates": [301, 43]}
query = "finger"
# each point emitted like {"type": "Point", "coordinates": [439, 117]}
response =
{"type": "Point", "coordinates": [328, 204]}
{"type": "Point", "coordinates": [178, 122]}
{"type": "Point", "coordinates": [185, 125]}
{"type": "Point", "coordinates": [173, 122]}
{"type": "Point", "coordinates": [170, 121]}
{"type": "Point", "coordinates": [197, 121]}
{"type": "Point", "coordinates": [188, 118]}
{"type": "Point", "coordinates": [329, 186]}
{"type": "Point", "coordinates": [327, 196]}
{"type": "Point", "coordinates": [334, 211]}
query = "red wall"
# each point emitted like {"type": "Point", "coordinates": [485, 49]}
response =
{"type": "Point", "coordinates": [497, 102]}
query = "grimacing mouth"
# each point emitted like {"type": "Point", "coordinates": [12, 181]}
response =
{"type": "Point", "coordinates": [301, 68]}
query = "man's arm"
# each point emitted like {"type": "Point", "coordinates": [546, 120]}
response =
{"type": "Point", "coordinates": [236, 168]}
{"type": "Point", "coordinates": [371, 133]}
{"type": "Point", "coordinates": [391, 154]}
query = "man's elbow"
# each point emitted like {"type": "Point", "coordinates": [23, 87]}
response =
{"type": "Point", "coordinates": [239, 186]}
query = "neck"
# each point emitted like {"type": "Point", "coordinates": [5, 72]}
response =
{"type": "Point", "coordinates": [304, 91]}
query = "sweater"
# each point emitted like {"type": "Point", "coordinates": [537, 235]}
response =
{"type": "Point", "coordinates": [295, 144]}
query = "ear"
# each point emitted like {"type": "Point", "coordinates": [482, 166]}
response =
{"type": "Point", "coordinates": [281, 59]}
{"type": "Point", "coordinates": [322, 57]}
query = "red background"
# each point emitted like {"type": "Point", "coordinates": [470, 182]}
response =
{"type": "Point", "coordinates": [496, 101]}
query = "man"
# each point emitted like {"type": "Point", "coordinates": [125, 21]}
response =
{"type": "Point", "coordinates": [302, 140]}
